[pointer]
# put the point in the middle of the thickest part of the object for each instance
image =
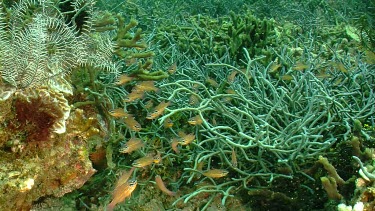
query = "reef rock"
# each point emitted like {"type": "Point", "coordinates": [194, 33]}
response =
{"type": "Point", "coordinates": [43, 148]}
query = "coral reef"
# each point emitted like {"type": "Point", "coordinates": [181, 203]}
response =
{"type": "Point", "coordinates": [43, 150]}
{"type": "Point", "coordinates": [215, 37]}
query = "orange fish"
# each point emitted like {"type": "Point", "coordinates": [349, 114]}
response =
{"type": "Point", "coordinates": [287, 77]}
{"type": "Point", "coordinates": [168, 123]}
{"type": "Point", "coordinates": [125, 175]}
{"type": "Point", "coordinates": [299, 66]}
{"type": "Point", "coordinates": [158, 110]}
{"type": "Point", "coordinates": [157, 158]}
{"type": "Point", "coordinates": [232, 76]}
{"type": "Point", "coordinates": [118, 113]}
{"type": "Point", "coordinates": [274, 68]}
{"type": "Point", "coordinates": [234, 158]}
{"type": "Point", "coordinates": [215, 173]}
{"type": "Point", "coordinates": [123, 79]}
{"type": "Point", "coordinates": [186, 138]}
{"type": "Point", "coordinates": [132, 124]}
{"type": "Point", "coordinates": [161, 186]}
{"type": "Point", "coordinates": [145, 86]}
{"type": "Point", "coordinates": [123, 191]}
{"type": "Point", "coordinates": [172, 69]}
{"type": "Point", "coordinates": [134, 95]}
{"type": "Point", "coordinates": [142, 162]}
{"type": "Point", "coordinates": [130, 61]}
{"type": "Point", "coordinates": [132, 145]}
{"type": "Point", "coordinates": [149, 104]}
{"type": "Point", "coordinates": [174, 145]}
{"type": "Point", "coordinates": [193, 100]}
{"type": "Point", "coordinates": [212, 82]}
{"type": "Point", "coordinates": [196, 120]}
{"type": "Point", "coordinates": [340, 66]}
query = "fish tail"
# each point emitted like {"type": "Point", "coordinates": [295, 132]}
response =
{"type": "Point", "coordinates": [111, 206]}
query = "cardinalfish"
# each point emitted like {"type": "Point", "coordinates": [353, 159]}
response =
{"type": "Point", "coordinates": [212, 82]}
{"type": "Point", "coordinates": [118, 113]}
{"type": "Point", "coordinates": [123, 79]}
{"type": "Point", "coordinates": [146, 161]}
{"type": "Point", "coordinates": [287, 77]}
{"type": "Point", "coordinates": [340, 66]}
{"type": "Point", "coordinates": [132, 145]}
{"type": "Point", "coordinates": [168, 123]}
{"type": "Point", "coordinates": [193, 100]}
{"type": "Point", "coordinates": [215, 173]}
{"type": "Point", "coordinates": [161, 186]}
{"type": "Point", "coordinates": [232, 76]}
{"type": "Point", "coordinates": [125, 175]}
{"type": "Point", "coordinates": [196, 120]}
{"type": "Point", "coordinates": [134, 95]}
{"type": "Point", "coordinates": [132, 124]}
{"type": "Point", "coordinates": [234, 158]}
{"type": "Point", "coordinates": [158, 110]}
{"type": "Point", "coordinates": [122, 192]}
{"type": "Point", "coordinates": [130, 61]}
{"type": "Point", "coordinates": [185, 139]}
{"type": "Point", "coordinates": [299, 66]}
{"type": "Point", "coordinates": [274, 68]}
{"type": "Point", "coordinates": [370, 57]}
{"type": "Point", "coordinates": [145, 86]}
{"type": "Point", "coordinates": [172, 69]}
{"type": "Point", "coordinates": [174, 145]}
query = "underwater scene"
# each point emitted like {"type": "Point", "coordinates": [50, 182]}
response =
{"type": "Point", "coordinates": [194, 105]}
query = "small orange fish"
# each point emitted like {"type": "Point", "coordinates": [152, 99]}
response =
{"type": "Point", "coordinates": [130, 61]}
{"type": "Point", "coordinates": [158, 110]}
{"type": "Point", "coordinates": [232, 76]}
{"type": "Point", "coordinates": [144, 161]}
{"type": "Point", "coordinates": [134, 95]}
{"type": "Point", "coordinates": [123, 79]}
{"type": "Point", "coordinates": [234, 158]}
{"type": "Point", "coordinates": [230, 91]}
{"type": "Point", "coordinates": [193, 100]}
{"type": "Point", "coordinates": [125, 175]}
{"type": "Point", "coordinates": [200, 166]}
{"type": "Point", "coordinates": [215, 173]}
{"type": "Point", "coordinates": [172, 69]}
{"type": "Point", "coordinates": [212, 82]}
{"type": "Point", "coordinates": [370, 57]}
{"type": "Point", "coordinates": [123, 191]}
{"type": "Point", "coordinates": [161, 186]}
{"type": "Point", "coordinates": [196, 120]}
{"type": "Point", "coordinates": [145, 86]}
{"type": "Point", "coordinates": [168, 123]}
{"type": "Point", "coordinates": [132, 145]}
{"type": "Point", "coordinates": [174, 145]}
{"type": "Point", "coordinates": [186, 138]}
{"type": "Point", "coordinates": [149, 104]}
{"type": "Point", "coordinates": [340, 66]}
{"type": "Point", "coordinates": [274, 68]}
{"type": "Point", "coordinates": [132, 124]}
{"type": "Point", "coordinates": [157, 158]}
{"type": "Point", "coordinates": [287, 77]}
{"type": "Point", "coordinates": [299, 66]}
{"type": "Point", "coordinates": [118, 113]}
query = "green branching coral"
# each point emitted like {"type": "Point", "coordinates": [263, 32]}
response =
{"type": "Point", "coordinates": [206, 36]}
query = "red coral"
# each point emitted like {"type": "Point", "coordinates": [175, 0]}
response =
{"type": "Point", "coordinates": [35, 118]}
